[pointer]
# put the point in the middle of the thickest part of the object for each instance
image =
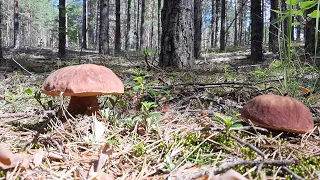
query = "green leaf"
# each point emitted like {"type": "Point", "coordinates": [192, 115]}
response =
{"type": "Point", "coordinates": [296, 24]}
{"type": "Point", "coordinates": [237, 125]}
{"type": "Point", "coordinates": [292, 2]}
{"type": "Point", "coordinates": [28, 91]}
{"type": "Point", "coordinates": [50, 103]}
{"type": "Point", "coordinates": [297, 12]}
{"type": "Point", "coordinates": [307, 5]}
{"type": "Point", "coordinates": [8, 96]}
{"type": "Point", "coordinates": [279, 19]}
{"type": "Point", "coordinates": [281, 12]}
{"type": "Point", "coordinates": [315, 14]}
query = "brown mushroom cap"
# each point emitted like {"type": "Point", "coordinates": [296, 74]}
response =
{"type": "Point", "coordinates": [83, 83]}
{"type": "Point", "coordinates": [82, 80]}
{"type": "Point", "coordinates": [278, 113]}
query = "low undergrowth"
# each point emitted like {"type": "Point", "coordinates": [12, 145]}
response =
{"type": "Point", "coordinates": [173, 124]}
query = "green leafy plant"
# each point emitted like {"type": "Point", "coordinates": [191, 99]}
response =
{"type": "Point", "coordinates": [294, 11]}
{"type": "Point", "coordinates": [227, 121]}
{"type": "Point", "coordinates": [38, 95]}
{"type": "Point", "coordinates": [146, 117]}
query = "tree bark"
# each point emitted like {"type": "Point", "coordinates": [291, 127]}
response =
{"type": "Point", "coordinates": [62, 28]}
{"type": "Point", "coordinates": [104, 27]}
{"type": "Point", "coordinates": [137, 10]}
{"type": "Point", "coordinates": [118, 30]}
{"type": "Point", "coordinates": [256, 30]}
{"type": "Point", "coordinates": [85, 24]}
{"type": "Point", "coordinates": [235, 39]}
{"type": "Point", "coordinates": [223, 26]}
{"type": "Point", "coordinates": [217, 22]}
{"type": "Point", "coordinates": [310, 35]}
{"type": "Point", "coordinates": [197, 27]}
{"type": "Point", "coordinates": [273, 30]}
{"type": "Point", "coordinates": [213, 18]}
{"type": "Point", "coordinates": [298, 33]}
{"type": "Point", "coordinates": [152, 23]}
{"type": "Point", "coordinates": [143, 12]}
{"type": "Point", "coordinates": [159, 24]}
{"type": "Point", "coordinates": [1, 55]}
{"type": "Point", "coordinates": [16, 32]}
{"type": "Point", "coordinates": [128, 25]}
{"type": "Point", "coordinates": [177, 40]}
{"type": "Point", "coordinates": [97, 26]}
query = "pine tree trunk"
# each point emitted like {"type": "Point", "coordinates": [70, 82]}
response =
{"type": "Point", "coordinates": [310, 36]}
{"type": "Point", "coordinates": [62, 28]}
{"type": "Point", "coordinates": [16, 36]}
{"type": "Point", "coordinates": [177, 40]}
{"type": "Point", "coordinates": [118, 30]}
{"type": "Point", "coordinates": [197, 27]}
{"type": "Point", "coordinates": [97, 25]}
{"type": "Point", "coordinates": [84, 24]}
{"type": "Point", "coordinates": [104, 27]}
{"type": "Point", "coordinates": [137, 25]}
{"type": "Point", "coordinates": [217, 22]}
{"type": "Point", "coordinates": [1, 55]}
{"type": "Point", "coordinates": [241, 28]}
{"type": "Point", "coordinates": [143, 11]}
{"type": "Point", "coordinates": [152, 23]}
{"type": "Point", "coordinates": [298, 33]}
{"type": "Point", "coordinates": [213, 18]}
{"type": "Point", "coordinates": [256, 31]}
{"type": "Point", "coordinates": [128, 25]}
{"type": "Point", "coordinates": [273, 30]}
{"type": "Point", "coordinates": [159, 25]}
{"type": "Point", "coordinates": [223, 26]}
{"type": "Point", "coordinates": [235, 40]}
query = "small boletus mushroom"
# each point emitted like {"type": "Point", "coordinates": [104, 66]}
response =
{"type": "Point", "coordinates": [278, 113]}
{"type": "Point", "coordinates": [83, 83]}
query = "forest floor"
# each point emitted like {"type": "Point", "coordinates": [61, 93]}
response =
{"type": "Point", "coordinates": [167, 125]}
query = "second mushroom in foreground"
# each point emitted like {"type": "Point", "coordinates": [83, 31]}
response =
{"type": "Point", "coordinates": [83, 83]}
{"type": "Point", "coordinates": [278, 113]}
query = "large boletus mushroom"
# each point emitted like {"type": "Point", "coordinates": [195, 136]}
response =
{"type": "Point", "coordinates": [278, 113]}
{"type": "Point", "coordinates": [83, 83]}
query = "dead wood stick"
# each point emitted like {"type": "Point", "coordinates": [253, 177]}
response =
{"type": "Point", "coordinates": [213, 84]}
{"type": "Point", "coordinates": [65, 159]}
{"type": "Point", "coordinates": [263, 155]}
{"type": "Point", "coordinates": [258, 151]}
{"type": "Point", "coordinates": [229, 165]}
{"type": "Point", "coordinates": [15, 115]}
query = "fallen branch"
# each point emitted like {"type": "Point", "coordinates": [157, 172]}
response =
{"type": "Point", "coordinates": [21, 66]}
{"type": "Point", "coordinates": [228, 165]}
{"type": "Point", "coordinates": [213, 85]}
{"type": "Point", "coordinates": [263, 155]}
{"type": "Point", "coordinates": [252, 147]}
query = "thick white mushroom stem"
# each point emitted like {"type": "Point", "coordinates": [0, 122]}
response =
{"type": "Point", "coordinates": [83, 105]}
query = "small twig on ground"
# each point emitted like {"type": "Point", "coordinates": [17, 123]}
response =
{"type": "Point", "coordinates": [258, 151]}
{"type": "Point", "coordinates": [211, 85]}
{"type": "Point", "coordinates": [232, 128]}
{"type": "Point", "coordinates": [65, 159]}
{"type": "Point", "coordinates": [294, 175]}
{"type": "Point", "coordinates": [15, 115]}
{"type": "Point", "coordinates": [228, 165]}
{"type": "Point", "coordinates": [21, 66]}
{"type": "Point", "coordinates": [263, 155]}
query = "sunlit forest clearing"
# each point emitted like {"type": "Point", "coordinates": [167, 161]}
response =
{"type": "Point", "coordinates": [146, 89]}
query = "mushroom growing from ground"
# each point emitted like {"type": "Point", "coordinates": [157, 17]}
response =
{"type": "Point", "coordinates": [278, 113]}
{"type": "Point", "coordinates": [83, 83]}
